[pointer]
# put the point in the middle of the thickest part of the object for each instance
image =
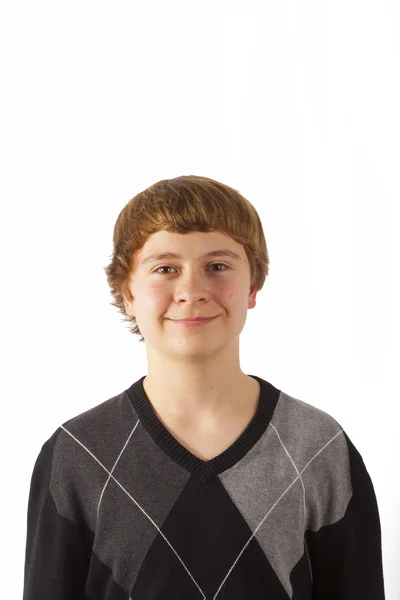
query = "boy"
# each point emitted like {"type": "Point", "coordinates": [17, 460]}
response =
{"type": "Point", "coordinates": [198, 481]}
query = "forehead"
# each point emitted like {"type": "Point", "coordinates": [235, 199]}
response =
{"type": "Point", "coordinates": [194, 244]}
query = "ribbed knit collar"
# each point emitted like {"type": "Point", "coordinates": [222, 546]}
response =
{"type": "Point", "coordinates": [205, 470]}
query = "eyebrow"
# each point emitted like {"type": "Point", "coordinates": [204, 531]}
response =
{"type": "Point", "coordinates": [155, 257]}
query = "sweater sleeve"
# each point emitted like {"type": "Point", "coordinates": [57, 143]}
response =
{"type": "Point", "coordinates": [57, 551]}
{"type": "Point", "coordinates": [346, 556]}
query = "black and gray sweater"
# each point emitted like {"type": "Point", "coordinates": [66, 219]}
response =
{"type": "Point", "coordinates": [118, 509]}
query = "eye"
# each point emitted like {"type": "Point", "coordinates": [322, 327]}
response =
{"type": "Point", "coordinates": [213, 265]}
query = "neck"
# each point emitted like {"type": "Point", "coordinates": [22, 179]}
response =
{"type": "Point", "coordinates": [207, 384]}
{"type": "Point", "coordinates": [196, 394]}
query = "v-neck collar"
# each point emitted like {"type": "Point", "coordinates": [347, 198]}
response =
{"type": "Point", "coordinates": [205, 469]}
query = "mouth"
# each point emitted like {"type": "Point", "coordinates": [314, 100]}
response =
{"type": "Point", "coordinates": [193, 319]}
{"type": "Point", "coordinates": [193, 322]}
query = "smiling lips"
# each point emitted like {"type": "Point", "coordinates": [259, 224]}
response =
{"type": "Point", "coordinates": [194, 319]}
{"type": "Point", "coordinates": [193, 322]}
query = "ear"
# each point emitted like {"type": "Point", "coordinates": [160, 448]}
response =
{"type": "Point", "coordinates": [253, 294]}
{"type": "Point", "coordinates": [128, 306]}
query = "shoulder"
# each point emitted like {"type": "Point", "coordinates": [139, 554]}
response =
{"type": "Point", "coordinates": [311, 435]}
{"type": "Point", "coordinates": [316, 446]}
{"type": "Point", "coordinates": [105, 419]}
{"type": "Point", "coordinates": [316, 435]}
{"type": "Point", "coordinates": [99, 431]}
{"type": "Point", "coordinates": [78, 458]}
{"type": "Point", "coordinates": [304, 420]}
{"type": "Point", "coordinates": [93, 436]}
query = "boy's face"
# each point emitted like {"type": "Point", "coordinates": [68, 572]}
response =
{"type": "Point", "coordinates": [167, 289]}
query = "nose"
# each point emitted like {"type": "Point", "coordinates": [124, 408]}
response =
{"type": "Point", "coordinates": [192, 285]}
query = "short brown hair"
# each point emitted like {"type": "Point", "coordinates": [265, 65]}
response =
{"type": "Point", "coordinates": [182, 205]}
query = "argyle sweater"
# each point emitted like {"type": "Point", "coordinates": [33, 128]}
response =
{"type": "Point", "coordinates": [118, 509]}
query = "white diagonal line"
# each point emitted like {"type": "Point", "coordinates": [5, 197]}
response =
{"type": "Point", "coordinates": [270, 510]}
{"type": "Point", "coordinates": [138, 505]}
{"type": "Point", "coordinates": [292, 461]}
{"type": "Point", "coordinates": [115, 464]}
{"type": "Point", "coordinates": [304, 489]}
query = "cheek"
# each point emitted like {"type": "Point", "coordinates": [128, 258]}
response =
{"type": "Point", "coordinates": [235, 297]}
{"type": "Point", "coordinates": [228, 294]}
{"type": "Point", "coordinates": [156, 295]}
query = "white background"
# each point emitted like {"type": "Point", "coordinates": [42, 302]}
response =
{"type": "Point", "coordinates": [296, 105]}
